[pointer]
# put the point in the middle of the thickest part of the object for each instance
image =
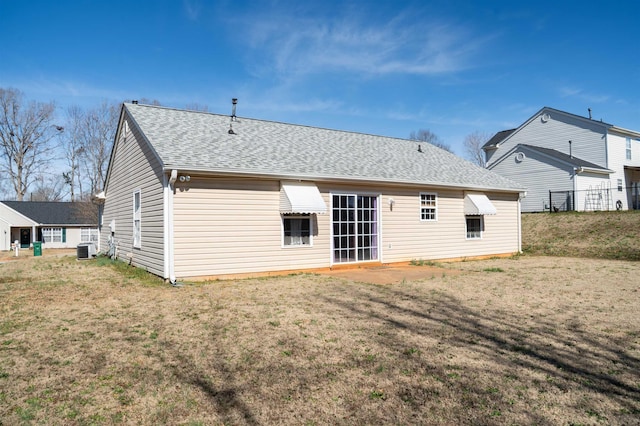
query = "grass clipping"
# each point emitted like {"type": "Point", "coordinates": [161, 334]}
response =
{"type": "Point", "coordinates": [531, 340]}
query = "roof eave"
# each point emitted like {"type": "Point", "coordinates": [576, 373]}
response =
{"type": "Point", "coordinates": [347, 179]}
{"type": "Point", "coordinates": [626, 132]}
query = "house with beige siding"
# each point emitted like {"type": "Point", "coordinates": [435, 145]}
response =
{"type": "Point", "coordinates": [569, 162]}
{"type": "Point", "coordinates": [54, 224]}
{"type": "Point", "coordinates": [193, 194]}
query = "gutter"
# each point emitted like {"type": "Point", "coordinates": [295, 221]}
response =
{"type": "Point", "coordinates": [339, 179]}
{"type": "Point", "coordinates": [579, 170]}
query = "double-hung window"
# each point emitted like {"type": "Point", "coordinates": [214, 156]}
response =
{"type": "Point", "coordinates": [52, 235]}
{"type": "Point", "coordinates": [628, 146]}
{"type": "Point", "coordinates": [428, 206]}
{"type": "Point", "coordinates": [296, 230]}
{"type": "Point", "coordinates": [475, 227]}
{"type": "Point", "coordinates": [88, 235]}
{"type": "Point", "coordinates": [137, 220]}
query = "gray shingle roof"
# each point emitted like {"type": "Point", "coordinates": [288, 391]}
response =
{"type": "Point", "coordinates": [497, 138]}
{"type": "Point", "coordinates": [56, 213]}
{"type": "Point", "coordinates": [197, 141]}
{"type": "Point", "coordinates": [566, 158]}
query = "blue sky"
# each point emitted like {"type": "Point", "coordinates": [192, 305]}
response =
{"type": "Point", "coordinates": [380, 67]}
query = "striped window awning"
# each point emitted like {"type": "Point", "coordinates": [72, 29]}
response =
{"type": "Point", "coordinates": [302, 198]}
{"type": "Point", "coordinates": [478, 204]}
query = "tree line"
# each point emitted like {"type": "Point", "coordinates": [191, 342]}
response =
{"type": "Point", "coordinates": [33, 139]}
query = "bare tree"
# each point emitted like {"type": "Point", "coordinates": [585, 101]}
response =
{"type": "Point", "coordinates": [48, 188]}
{"type": "Point", "coordinates": [73, 147]}
{"type": "Point", "coordinates": [197, 107]}
{"type": "Point", "coordinates": [147, 101]}
{"type": "Point", "coordinates": [98, 132]}
{"type": "Point", "coordinates": [26, 133]}
{"type": "Point", "coordinates": [473, 144]}
{"type": "Point", "coordinates": [424, 135]}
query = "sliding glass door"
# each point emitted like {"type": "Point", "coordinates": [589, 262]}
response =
{"type": "Point", "coordinates": [355, 228]}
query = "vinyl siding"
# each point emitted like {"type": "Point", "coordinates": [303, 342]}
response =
{"type": "Point", "coordinates": [588, 138]}
{"type": "Point", "coordinates": [617, 149]}
{"type": "Point", "coordinates": [14, 218]}
{"type": "Point", "coordinates": [134, 167]}
{"type": "Point", "coordinates": [72, 234]}
{"type": "Point", "coordinates": [406, 237]}
{"type": "Point", "coordinates": [595, 192]}
{"type": "Point", "coordinates": [5, 233]}
{"type": "Point", "coordinates": [538, 174]}
{"type": "Point", "coordinates": [224, 226]}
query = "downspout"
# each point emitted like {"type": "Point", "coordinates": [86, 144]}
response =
{"type": "Point", "coordinates": [576, 171]}
{"type": "Point", "coordinates": [520, 197]}
{"type": "Point", "coordinates": [169, 258]}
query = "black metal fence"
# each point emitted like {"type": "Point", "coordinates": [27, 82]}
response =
{"type": "Point", "coordinates": [594, 199]}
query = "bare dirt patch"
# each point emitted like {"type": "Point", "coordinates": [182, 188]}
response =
{"type": "Point", "coordinates": [393, 274]}
{"type": "Point", "coordinates": [528, 340]}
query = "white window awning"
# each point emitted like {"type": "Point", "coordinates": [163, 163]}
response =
{"type": "Point", "coordinates": [478, 204]}
{"type": "Point", "coordinates": [301, 197]}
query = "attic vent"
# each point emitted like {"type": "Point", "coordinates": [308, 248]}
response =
{"type": "Point", "coordinates": [545, 117]}
{"type": "Point", "coordinates": [519, 157]}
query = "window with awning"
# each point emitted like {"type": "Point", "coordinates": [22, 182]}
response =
{"type": "Point", "coordinates": [301, 198]}
{"type": "Point", "coordinates": [478, 205]}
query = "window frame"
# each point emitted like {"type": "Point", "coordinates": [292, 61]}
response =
{"type": "Point", "coordinates": [628, 149]}
{"type": "Point", "coordinates": [92, 233]}
{"type": "Point", "coordinates": [474, 234]}
{"type": "Point", "coordinates": [356, 227]}
{"type": "Point", "coordinates": [428, 207]}
{"type": "Point", "coordinates": [137, 219]}
{"type": "Point", "coordinates": [298, 216]}
{"type": "Point", "coordinates": [50, 233]}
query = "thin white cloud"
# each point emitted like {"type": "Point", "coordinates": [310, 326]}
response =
{"type": "Point", "coordinates": [299, 45]}
{"type": "Point", "coordinates": [192, 9]}
{"type": "Point", "coordinates": [573, 92]}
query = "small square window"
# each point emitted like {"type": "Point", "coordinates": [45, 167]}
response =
{"type": "Point", "coordinates": [296, 231]}
{"type": "Point", "coordinates": [620, 185]}
{"type": "Point", "coordinates": [475, 226]}
{"type": "Point", "coordinates": [428, 206]}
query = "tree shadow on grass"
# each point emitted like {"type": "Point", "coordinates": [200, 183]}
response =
{"type": "Point", "coordinates": [412, 329]}
{"type": "Point", "coordinates": [570, 358]}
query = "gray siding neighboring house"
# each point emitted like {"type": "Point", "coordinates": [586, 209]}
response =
{"type": "Point", "coordinates": [557, 151]}
{"type": "Point", "coordinates": [192, 194]}
{"type": "Point", "coordinates": [55, 224]}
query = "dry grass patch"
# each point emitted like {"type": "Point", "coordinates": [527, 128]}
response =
{"type": "Point", "coordinates": [606, 235]}
{"type": "Point", "coordinates": [531, 340]}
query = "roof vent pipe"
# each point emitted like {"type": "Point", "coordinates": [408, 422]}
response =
{"type": "Point", "coordinates": [589, 109]}
{"type": "Point", "coordinates": [234, 102]}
